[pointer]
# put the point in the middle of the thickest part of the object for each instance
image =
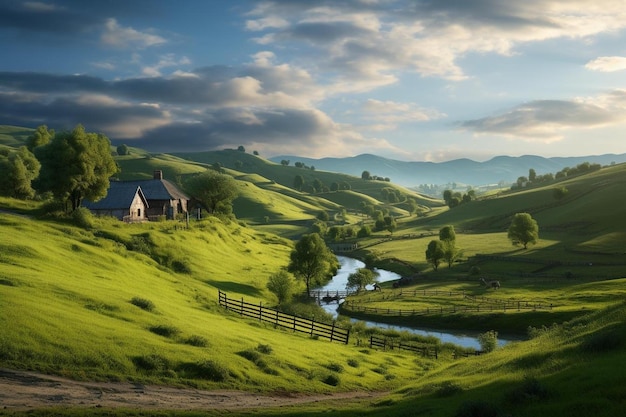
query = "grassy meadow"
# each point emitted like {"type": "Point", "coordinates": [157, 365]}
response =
{"type": "Point", "coordinates": [138, 302]}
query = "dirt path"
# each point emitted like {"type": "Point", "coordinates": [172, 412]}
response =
{"type": "Point", "coordinates": [22, 390]}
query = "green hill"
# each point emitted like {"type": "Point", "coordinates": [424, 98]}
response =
{"type": "Point", "coordinates": [138, 302]}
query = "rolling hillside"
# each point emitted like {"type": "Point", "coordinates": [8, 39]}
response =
{"type": "Point", "coordinates": [109, 301]}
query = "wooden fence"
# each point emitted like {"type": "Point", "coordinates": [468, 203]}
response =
{"type": "Point", "coordinates": [481, 303]}
{"type": "Point", "coordinates": [295, 323]}
{"type": "Point", "coordinates": [391, 344]}
{"type": "Point", "coordinates": [491, 308]}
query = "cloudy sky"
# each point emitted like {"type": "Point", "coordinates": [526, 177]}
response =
{"type": "Point", "coordinates": [415, 80]}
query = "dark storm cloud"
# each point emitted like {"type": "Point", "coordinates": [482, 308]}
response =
{"type": "Point", "coordinates": [65, 113]}
{"type": "Point", "coordinates": [49, 18]}
{"type": "Point", "coordinates": [36, 82]}
{"type": "Point", "coordinates": [226, 128]}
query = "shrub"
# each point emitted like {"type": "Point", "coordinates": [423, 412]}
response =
{"type": "Point", "coordinates": [335, 367]}
{"type": "Point", "coordinates": [152, 362]}
{"type": "Point", "coordinates": [207, 369]}
{"type": "Point", "coordinates": [164, 330]}
{"type": "Point", "coordinates": [353, 363]}
{"type": "Point", "coordinates": [267, 349]}
{"type": "Point", "coordinates": [82, 217]}
{"type": "Point", "coordinates": [143, 303]}
{"type": "Point", "coordinates": [197, 341]}
{"type": "Point", "coordinates": [332, 380]}
{"type": "Point", "coordinates": [448, 389]}
{"type": "Point", "coordinates": [488, 341]}
{"type": "Point", "coordinates": [181, 267]}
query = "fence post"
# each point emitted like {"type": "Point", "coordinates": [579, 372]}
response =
{"type": "Point", "coordinates": [312, 325]}
{"type": "Point", "coordinates": [277, 317]}
{"type": "Point", "coordinates": [261, 310]}
{"type": "Point", "coordinates": [241, 311]}
{"type": "Point", "coordinates": [347, 336]}
{"type": "Point", "coordinates": [332, 331]}
{"type": "Point", "coordinates": [294, 323]}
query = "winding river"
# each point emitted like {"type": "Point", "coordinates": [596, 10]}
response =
{"type": "Point", "coordinates": [350, 265]}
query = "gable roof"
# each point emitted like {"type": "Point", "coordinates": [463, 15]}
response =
{"type": "Point", "coordinates": [119, 196]}
{"type": "Point", "coordinates": [158, 189]}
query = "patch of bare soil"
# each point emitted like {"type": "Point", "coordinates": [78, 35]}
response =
{"type": "Point", "coordinates": [22, 390]}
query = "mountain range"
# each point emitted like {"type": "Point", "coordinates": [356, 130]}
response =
{"type": "Point", "coordinates": [500, 169]}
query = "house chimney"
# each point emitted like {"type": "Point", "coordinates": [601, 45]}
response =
{"type": "Point", "coordinates": [158, 174]}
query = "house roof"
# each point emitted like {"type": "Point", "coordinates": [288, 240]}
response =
{"type": "Point", "coordinates": [119, 196]}
{"type": "Point", "coordinates": [158, 189]}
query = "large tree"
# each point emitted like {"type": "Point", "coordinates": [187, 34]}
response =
{"type": "Point", "coordinates": [435, 253]}
{"type": "Point", "coordinates": [447, 236]}
{"type": "Point", "coordinates": [312, 261]}
{"type": "Point", "coordinates": [215, 192]}
{"type": "Point", "coordinates": [360, 279]}
{"type": "Point", "coordinates": [76, 165]}
{"type": "Point", "coordinates": [523, 230]}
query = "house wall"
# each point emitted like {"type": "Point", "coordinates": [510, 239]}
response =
{"type": "Point", "coordinates": [137, 210]}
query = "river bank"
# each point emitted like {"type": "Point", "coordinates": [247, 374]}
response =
{"type": "Point", "coordinates": [451, 332]}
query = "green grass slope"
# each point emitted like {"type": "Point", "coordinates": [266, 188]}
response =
{"type": "Point", "coordinates": [14, 136]}
{"type": "Point", "coordinates": [139, 302]}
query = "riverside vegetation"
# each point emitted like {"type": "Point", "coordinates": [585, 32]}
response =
{"type": "Point", "coordinates": [96, 299]}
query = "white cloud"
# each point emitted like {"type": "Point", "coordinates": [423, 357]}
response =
{"type": "Point", "coordinates": [38, 6]}
{"type": "Point", "coordinates": [372, 41]}
{"type": "Point", "coordinates": [547, 121]}
{"type": "Point", "coordinates": [391, 112]}
{"type": "Point", "coordinates": [607, 64]}
{"type": "Point", "coordinates": [118, 36]}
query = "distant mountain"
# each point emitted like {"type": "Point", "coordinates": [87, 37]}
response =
{"type": "Point", "coordinates": [461, 171]}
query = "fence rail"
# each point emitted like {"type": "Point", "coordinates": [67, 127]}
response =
{"type": "Point", "coordinates": [488, 303]}
{"type": "Point", "coordinates": [294, 323]}
{"type": "Point", "coordinates": [355, 307]}
{"type": "Point", "coordinates": [391, 344]}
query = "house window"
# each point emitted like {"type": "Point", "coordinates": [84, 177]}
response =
{"type": "Point", "coordinates": [138, 212]}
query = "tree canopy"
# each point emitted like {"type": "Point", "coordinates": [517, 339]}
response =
{"type": "Point", "coordinates": [524, 230]}
{"type": "Point", "coordinates": [361, 278]}
{"type": "Point", "coordinates": [215, 192]}
{"type": "Point", "coordinates": [76, 165]}
{"type": "Point", "coordinates": [435, 253]}
{"type": "Point", "coordinates": [17, 171]}
{"type": "Point", "coordinates": [312, 261]}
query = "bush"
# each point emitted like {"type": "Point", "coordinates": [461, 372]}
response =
{"type": "Point", "coordinates": [488, 341]}
{"type": "Point", "coordinates": [164, 330]}
{"type": "Point", "coordinates": [448, 389]}
{"type": "Point", "coordinates": [267, 349]}
{"type": "Point", "coordinates": [151, 362]}
{"type": "Point", "coordinates": [335, 367]}
{"type": "Point", "coordinates": [353, 363]}
{"type": "Point", "coordinates": [207, 369]}
{"type": "Point", "coordinates": [332, 380]}
{"type": "Point", "coordinates": [143, 303]}
{"type": "Point", "coordinates": [197, 341]}
{"type": "Point", "coordinates": [82, 217]}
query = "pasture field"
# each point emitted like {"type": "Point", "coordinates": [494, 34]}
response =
{"type": "Point", "coordinates": [138, 302]}
{"type": "Point", "coordinates": [80, 303]}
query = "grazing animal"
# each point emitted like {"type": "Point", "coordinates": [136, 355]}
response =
{"type": "Point", "coordinates": [491, 284]}
{"type": "Point", "coordinates": [377, 287]}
